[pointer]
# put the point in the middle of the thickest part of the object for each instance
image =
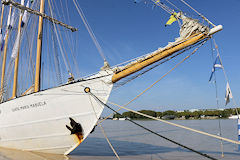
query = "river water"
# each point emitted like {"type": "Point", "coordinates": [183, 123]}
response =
{"type": "Point", "coordinates": [134, 143]}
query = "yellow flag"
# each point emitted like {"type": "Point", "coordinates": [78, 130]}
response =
{"type": "Point", "coordinates": [172, 19]}
{"type": "Point", "coordinates": [157, 1]}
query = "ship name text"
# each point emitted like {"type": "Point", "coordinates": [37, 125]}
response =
{"type": "Point", "coordinates": [34, 105]}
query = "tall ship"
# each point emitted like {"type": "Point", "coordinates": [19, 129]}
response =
{"type": "Point", "coordinates": [58, 118]}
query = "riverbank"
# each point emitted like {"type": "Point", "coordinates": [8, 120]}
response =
{"type": "Point", "coordinates": [181, 115]}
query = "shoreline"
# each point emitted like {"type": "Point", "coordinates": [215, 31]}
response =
{"type": "Point", "coordinates": [191, 118]}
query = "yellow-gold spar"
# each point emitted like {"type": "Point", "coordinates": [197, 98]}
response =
{"type": "Point", "coordinates": [159, 55]}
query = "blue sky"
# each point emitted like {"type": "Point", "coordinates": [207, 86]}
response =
{"type": "Point", "coordinates": [127, 30]}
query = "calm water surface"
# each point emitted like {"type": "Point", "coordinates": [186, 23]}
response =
{"type": "Point", "coordinates": [134, 143]}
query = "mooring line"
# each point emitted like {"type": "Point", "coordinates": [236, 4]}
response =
{"type": "Point", "coordinates": [111, 146]}
{"type": "Point", "coordinates": [170, 140]}
{"type": "Point", "coordinates": [178, 125]}
{"type": "Point", "coordinates": [103, 132]}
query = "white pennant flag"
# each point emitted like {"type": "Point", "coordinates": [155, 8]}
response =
{"type": "Point", "coordinates": [12, 19]}
{"type": "Point", "coordinates": [16, 46]}
{"type": "Point", "coordinates": [8, 20]}
{"type": "Point", "coordinates": [228, 94]}
{"type": "Point", "coordinates": [18, 38]}
{"type": "Point", "coordinates": [22, 2]}
{"type": "Point", "coordinates": [25, 16]}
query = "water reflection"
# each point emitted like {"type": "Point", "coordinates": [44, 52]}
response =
{"type": "Point", "coordinates": [99, 147]}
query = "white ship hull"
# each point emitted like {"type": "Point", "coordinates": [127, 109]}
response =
{"type": "Point", "coordinates": [37, 122]}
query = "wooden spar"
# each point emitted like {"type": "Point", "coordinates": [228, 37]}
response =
{"type": "Point", "coordinates": [2, 16]}
{"type": "Point", "coordinates": [1, 90]}
{"type": "Point", "coordinates": [139, 65]}
{"type": "Point", "coordinates": [156, 57]}
{"type": "Point", "coordinates": [4, 57]}
{"type": "Point", "coordinates": [29, 90]}
{"type": "Point", "coordinates": [39, 49]}
{"type": "Point", "coordinates": [15, 78]}
{"type": "Point", "coordinates": [53, 20]}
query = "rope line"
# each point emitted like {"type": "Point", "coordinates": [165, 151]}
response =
{"type": "Point", "coordinates": [173, 5]}
{"type": "Point", "coordinates": [177, 125]}
{"type": "Point", "coordinates": [67, 65]}
{"type": "Point", "coordinates": [89, 29]}
{"type": "Point", "coordinates": [199, 13]}
{"type": "Point", "coordinates": [168, 139]}
{"type": "Point", "coordinates": [163, 6]}
{"type": "Point", "coordinates": [103, 132]}
{"type": "Point", "coordinates": [114, 151]}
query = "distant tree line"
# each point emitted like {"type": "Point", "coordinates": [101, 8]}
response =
{"type": "Point", "coordinates": [186, 114]}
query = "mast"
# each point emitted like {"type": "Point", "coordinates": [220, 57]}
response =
{"type": "Point", "coordinates": [39, 39]}
{"type": "Point", "coordinates": [15, 78]}
{"type": "Point", "coordinates": [5, 54]}
{"type": "Point", "coordinates": [2, 17]}
{"type": "Point", "coordinates": [1, 37]}
{"type": "Point", "coordinates": [39, 49]}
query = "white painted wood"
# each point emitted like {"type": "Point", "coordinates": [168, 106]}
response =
{"type": "Point", "coordinates": [37, 122]}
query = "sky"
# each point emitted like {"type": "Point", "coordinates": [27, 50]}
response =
{"type": "Point", "coordinates": [126, 30]}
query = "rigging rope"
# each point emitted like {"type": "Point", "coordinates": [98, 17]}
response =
{"type": "Point", "coordinates": [188, 56]}
{"type": "Point", "coordinates": [111, 146]}
{"type": "Point", "coordinates": [89, 29]}
{"type": "Point", "coordinates": [27, 73]}
{"type": "Point", "coordinates": [168, 139]}
{"type": "Point", "coordinates": [163, 6]}
{"type": "Point", "coordinates": [199, 13]}
{"type": "Point", "coordinates": [29, 46]}
{"type": "Point", "coordinates": [173, 5]}
{"type": "Point", "coordinates": [71, 42]}
{"type": "Point", "coordinates": [7, 86]}
{"type": "Point", "coordinates": [56, 61]}
{"type": "Point", "coordinates": [59, 43]}
{"type": "Point", "coordinates": [177, 125]}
